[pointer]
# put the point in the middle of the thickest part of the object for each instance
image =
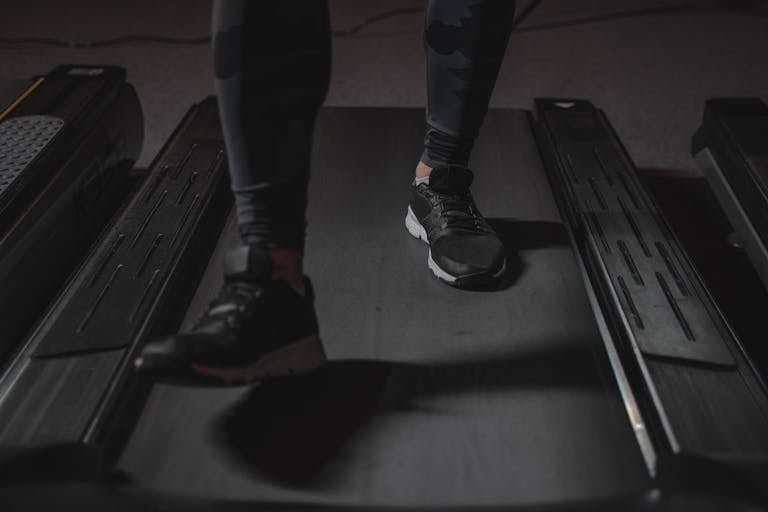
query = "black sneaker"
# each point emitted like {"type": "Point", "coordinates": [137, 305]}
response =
{"type": "Point", "coordinates": [256, 328]}
{"type": "Point", "coordinates": [464, 250]}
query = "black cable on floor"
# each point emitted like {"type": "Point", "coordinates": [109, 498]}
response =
{"type": "Point", "coordinates": [377, 18]}
{"type": "Point", "coordinates": [115, 41]}
{"type": "Point", "coordinates": [153, 38]}
{"type": "Point", "coordinates": [526, 12]}
{"type": "Point", "coordinates": [392, 13]}
{"type": "Point", "coordinates": [696, 5]}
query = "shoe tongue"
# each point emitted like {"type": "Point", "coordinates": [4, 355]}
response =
{"type": "Point", "coordinates": [247, 262]}
{"type": "Point", "coordinates": [450, 178]}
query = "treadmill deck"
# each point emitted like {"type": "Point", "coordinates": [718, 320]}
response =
{"type": "Point", "coordinates": [433, 395]}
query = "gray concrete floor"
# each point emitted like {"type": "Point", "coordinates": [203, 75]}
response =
{"type": "Point", "coordinates": [650, 73]}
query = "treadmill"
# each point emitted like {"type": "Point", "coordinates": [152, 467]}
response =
{"type": "Point", "coordinates": [68, 142]}
{"type": "Point", "coordinates": [731, 147]}
{"type": "Point", "coordinates": [599, 376]}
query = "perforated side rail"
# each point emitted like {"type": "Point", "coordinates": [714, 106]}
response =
{"type": "Point", "coordinates": [73, 369]}
{"type": "Point", "coordinates": [21, 140]}
{"type": "Point", "coordinates": [696, 383]}
{"type": "Point", "coordinates": [667, 316]}
{"type": "Point", "coordinates": [731, 148]}
{"type": "Point", "coordinates": [130, 268]}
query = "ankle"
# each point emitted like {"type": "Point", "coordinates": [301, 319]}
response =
{"type": "Point", "coordinates": [423, 170]}
{"type": "Point", "coordinates": [288, 266]}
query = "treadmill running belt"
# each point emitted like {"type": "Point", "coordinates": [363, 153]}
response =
{"type": "Point", "coordinates": [434, 395]}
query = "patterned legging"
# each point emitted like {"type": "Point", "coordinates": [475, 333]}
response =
{"type": "Point", "coordinates": [272, 65]}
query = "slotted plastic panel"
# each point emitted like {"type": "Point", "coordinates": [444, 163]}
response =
{"type": "Point", "coordinates": [667, 314]}
{"type": "Point", "coordinates": [114, 293]}
{"type": "Point", "coordinates": [691, 381]}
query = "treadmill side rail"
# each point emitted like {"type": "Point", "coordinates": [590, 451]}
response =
{"type": "Point", "coordinates": [697, 391]}
{"type": "Point", "coordinates": [135, 284]}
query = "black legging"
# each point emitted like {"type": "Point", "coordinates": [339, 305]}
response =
{"type": "Point", "coordinates": [272, 64]}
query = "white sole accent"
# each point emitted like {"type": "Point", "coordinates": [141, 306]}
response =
{"type": "Point", "coordinates": [415, 228]}
{"type": "Point", "coordinates": [301, 356]}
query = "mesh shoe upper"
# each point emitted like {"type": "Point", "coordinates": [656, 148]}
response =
{"type": "Point", "coordinates": [461, 240]}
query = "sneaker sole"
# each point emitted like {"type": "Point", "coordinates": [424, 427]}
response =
{"type": "Point", "coordinates": [415, 228]}
{"type": "Point", "coordinates": [301, 356]}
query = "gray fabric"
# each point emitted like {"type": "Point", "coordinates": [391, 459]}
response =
{"type": "Point", "coordinates": [465, 44]}
{"type": "Point", "coordinates": [272, 66]}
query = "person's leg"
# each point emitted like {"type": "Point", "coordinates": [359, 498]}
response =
{"type": "Point", "coordinates": [272, 65]}
{"type": "Point", "coordinates": [465, 43]}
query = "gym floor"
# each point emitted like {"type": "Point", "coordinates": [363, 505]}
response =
{"type": "Point", "coordinates": [650, 65]}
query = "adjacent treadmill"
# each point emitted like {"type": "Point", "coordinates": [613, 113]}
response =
{"type": "Point", "coordinates": [68, 142]}
{"type": "Point", "coordinates": [731, 147]}
{"type": "Point", "coordinates": [600, 370]}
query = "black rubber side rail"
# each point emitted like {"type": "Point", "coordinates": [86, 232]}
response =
{"type": "Point", "coordinates": [136, 283]}
{"type": "Point", "coordinates": [109, 300]}
{"type": "Point", "coordinates": [67, 144]}
{"type": "Point", "coordinates": [731, 147]}
{"type": "Point", "coordinates": [696, 389]}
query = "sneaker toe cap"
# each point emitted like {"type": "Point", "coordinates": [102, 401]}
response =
{"type": "Point", "coordinates": [171, 354]}
{"type": "Point", "coordinates": [463, 256]}
{"type": "Point", "coordinates": [161, 354]}
{"type": "Point", "coordinates": [172, 359]}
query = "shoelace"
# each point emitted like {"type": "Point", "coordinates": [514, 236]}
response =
{"type": "Point", "coordinates": [460, 211]}
{"type": "Point", "coordinates": [235, 296]}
